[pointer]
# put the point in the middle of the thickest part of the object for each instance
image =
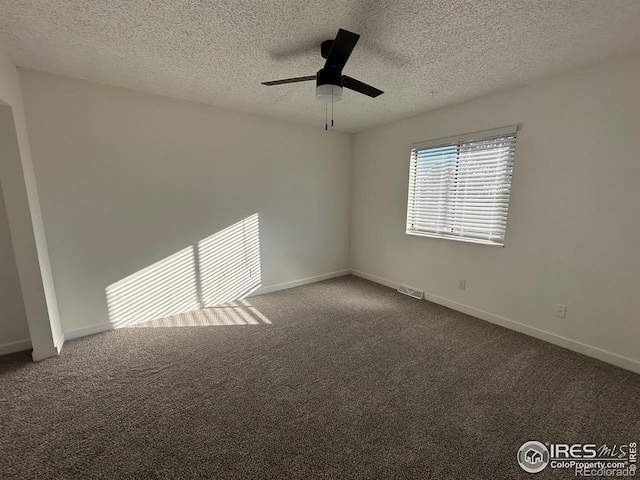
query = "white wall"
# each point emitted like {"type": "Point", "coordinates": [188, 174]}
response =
{"type": "Point", "coordinates": [24, 217]}
{"type": "Point", "coordinates": [128, 179]}
{"type": "Point", "coordinates": [14, 332]}
{"type": "Point", "coordinates": [573, 232]}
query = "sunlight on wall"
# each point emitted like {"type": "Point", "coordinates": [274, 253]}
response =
{"type": "Point", "coordinates": [162, 289]}
{"type": "Point", "coordinates": [229, 262]}
{"type": "Point", "coordinates": [221, 268]}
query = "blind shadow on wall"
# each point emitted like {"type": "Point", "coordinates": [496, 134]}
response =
{"type": "Point", "coordinates": [219, 269]}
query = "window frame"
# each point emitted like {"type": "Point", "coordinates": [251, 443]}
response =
{"type": "Point", "coordinates": [456, 141]}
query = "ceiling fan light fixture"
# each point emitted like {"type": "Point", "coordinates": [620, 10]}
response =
{"type": "Point", "coordinates": [328, 93]}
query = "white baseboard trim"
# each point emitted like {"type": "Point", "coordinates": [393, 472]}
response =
{"type": "Point", "coordinates": [595, 352]}
{"type": "Point", "coordinates": [104, 327]}
{"type": "Point", "coordinates": [13, 347]}
{"type": "Point", "coordinates": [297, 283]}
{"type": "Point", "coordinates": [373, 278]}
{"type": "Point", "coordinates": [90, 330]}
{"type": "Point", "coordinates": [37, 355]}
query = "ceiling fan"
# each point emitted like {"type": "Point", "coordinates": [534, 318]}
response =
{"type": "Point", "coordinates": [329, 79]}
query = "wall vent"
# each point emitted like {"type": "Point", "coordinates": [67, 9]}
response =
{"type": "Point", "coordinates": [412, 292]}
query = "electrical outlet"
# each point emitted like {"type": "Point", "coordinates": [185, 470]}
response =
{"type": "Point", "coordinates": [560, 311]}
{"type": "Point", "coordinates": [462, 284]}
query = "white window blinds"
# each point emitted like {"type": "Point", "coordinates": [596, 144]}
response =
{"type": "Point", "coordinates": [459, 186]}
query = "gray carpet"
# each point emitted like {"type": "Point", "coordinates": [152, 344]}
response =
{"type": "Point", "coordinates": [349, 380]}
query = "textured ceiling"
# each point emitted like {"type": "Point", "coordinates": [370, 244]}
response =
{"type": "Point", "coordinates": [218, 51]}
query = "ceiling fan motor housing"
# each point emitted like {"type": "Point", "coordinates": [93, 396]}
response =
{"type": "Point", "coordinates": [325, 48]}
{"type": "Point", "coordinates": [329, 85]}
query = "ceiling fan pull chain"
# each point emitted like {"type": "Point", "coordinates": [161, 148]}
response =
{"type": "Point", "coordinates": [331, 106]}
{"type": "Point", "coordinates": [325, 117]}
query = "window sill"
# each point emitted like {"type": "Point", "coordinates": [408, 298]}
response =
{"type": "Point", "coordinates": [455, 237]}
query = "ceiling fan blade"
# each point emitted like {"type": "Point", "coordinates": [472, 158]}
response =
{"type": "Point", "coordinates": [341, 49]}
{"type": "Point", "coordinates": [290, 80]}
{"type": "Point", "coordinates": [360, 87]}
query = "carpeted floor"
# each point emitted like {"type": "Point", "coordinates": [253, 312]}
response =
{"type": "Point", "coordinates": [341, 379]}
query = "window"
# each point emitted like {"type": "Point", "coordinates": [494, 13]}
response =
{"type": "Point", "coordinates": [459, 186]}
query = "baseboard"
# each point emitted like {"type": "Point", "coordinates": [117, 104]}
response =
{"type": "Point", "coordinates": [297, 283]}
{"type": "Point", "coordinates": [37, 355]}
{"type": "Point", "coordinates": [595, 352]}
{"type": "Point", "coordinates": [104, 327]}
{"type": "Point", "coordinates": [90, 330]}
{"type": "Point", "coordinates": [13, 347]}
{"type": "Point", "coordinates": [373, 278]}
